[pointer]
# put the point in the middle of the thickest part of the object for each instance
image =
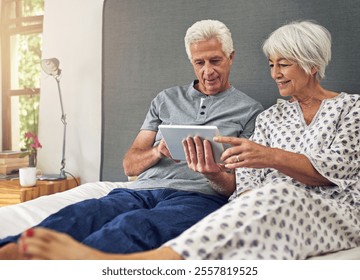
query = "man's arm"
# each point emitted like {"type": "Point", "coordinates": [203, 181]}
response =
{"type": "Point", "coordinates": [142, 154]}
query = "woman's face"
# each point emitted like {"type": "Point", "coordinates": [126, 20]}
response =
{"type": "Point", "coordinates": [290, 78]}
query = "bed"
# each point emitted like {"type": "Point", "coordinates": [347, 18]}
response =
{"type": "Point", "coordinates": [143, 53]}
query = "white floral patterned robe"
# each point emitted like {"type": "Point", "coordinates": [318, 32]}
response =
{"type": "Point", "coordinates": [281, 218]}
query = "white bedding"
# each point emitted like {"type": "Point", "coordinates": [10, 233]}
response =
{"type": "Point", "coordinates": [19, 217]}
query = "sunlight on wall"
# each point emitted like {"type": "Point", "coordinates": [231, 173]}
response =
{"type": "Point", "coordinates": [72, 33]}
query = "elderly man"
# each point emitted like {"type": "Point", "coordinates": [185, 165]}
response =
{"type": "Point", "coordinates": [168, 196]}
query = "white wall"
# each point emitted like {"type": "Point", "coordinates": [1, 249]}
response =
{"type": "Point", "coordinates": [72, 33]}
{"type": "Point", "coordinates": [0, 92]}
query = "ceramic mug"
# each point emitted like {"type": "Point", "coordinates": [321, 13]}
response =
{"type": "Point", "coordinates": [27, 176]}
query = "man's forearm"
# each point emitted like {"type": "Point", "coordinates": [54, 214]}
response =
{"type": "Point", "coordinates": [137, 161]}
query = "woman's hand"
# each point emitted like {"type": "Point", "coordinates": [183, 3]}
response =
{"type": "Point", "coordinates": [245, 153]}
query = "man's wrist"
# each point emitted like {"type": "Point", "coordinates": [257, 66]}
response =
{"type": "Point", "coordinates": [214, 176]}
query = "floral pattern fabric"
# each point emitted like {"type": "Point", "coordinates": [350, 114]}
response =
{"type": "Point", "coordinates": [281, 218]}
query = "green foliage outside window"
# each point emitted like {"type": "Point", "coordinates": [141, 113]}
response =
{"type": "Point", "coordinates": [33, 7]}
{"type": "Point", "coordinates": [29, 71]}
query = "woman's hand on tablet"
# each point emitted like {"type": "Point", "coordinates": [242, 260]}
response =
{"type": "Point", "coordinates": [245, 153]}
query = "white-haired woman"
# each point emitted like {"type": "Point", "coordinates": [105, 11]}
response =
{"type": "Point", "coordinates": [298, 191]}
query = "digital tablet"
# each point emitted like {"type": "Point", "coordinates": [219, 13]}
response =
{"type": "Point", "coordinates": [174, 134]}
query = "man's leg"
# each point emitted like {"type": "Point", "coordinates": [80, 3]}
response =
{"type": "Point", "coordinates": [81, 219]}
{"type": "Point", "coordinates": [145, 229]}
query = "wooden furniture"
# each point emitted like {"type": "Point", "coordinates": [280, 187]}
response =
{"type": "Point", "coordinates": [11, 161]}
{"type": "Point", "coordinates": [12, 193]}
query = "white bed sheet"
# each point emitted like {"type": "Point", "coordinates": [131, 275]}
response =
{"type": "Point", "coordinates": [19, 217]}
{"type": "Point", "coordinates": [351, 254]}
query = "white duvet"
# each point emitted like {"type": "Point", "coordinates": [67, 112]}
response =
{"type": "Point", "coordinates": [19, 217]}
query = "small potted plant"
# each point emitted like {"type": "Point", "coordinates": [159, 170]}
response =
{"type": "Point", "coordinates": [32, 144]}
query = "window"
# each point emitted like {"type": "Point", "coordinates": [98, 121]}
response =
{"type": "Point", "coordinates": [21, 41]}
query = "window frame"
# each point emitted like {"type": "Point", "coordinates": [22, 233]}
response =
{"type": "Point", "coordinates": [18, 25]}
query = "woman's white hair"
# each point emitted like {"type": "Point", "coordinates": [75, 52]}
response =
{"type": "Point", "coordinates": [204, 30]}
{"type": "Point", "coordinates": [306, 42]}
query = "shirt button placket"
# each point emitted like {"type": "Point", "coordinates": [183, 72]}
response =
{"type": "Point", "coordinates": [203, 109]}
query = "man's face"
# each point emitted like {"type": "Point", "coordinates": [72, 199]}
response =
{"type": "Point", "coordinates": [211, 66]}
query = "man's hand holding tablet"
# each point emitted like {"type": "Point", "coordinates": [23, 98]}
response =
{"type": "Point", "coordinates": [175, 134]}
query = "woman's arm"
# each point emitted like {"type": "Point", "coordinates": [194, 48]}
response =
{"type": "Point", "coordinates": [246, 153]}
{"type": "Point", "coordinates": [299, 167]}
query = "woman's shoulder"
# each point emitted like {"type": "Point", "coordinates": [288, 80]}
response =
{"type": "Point", "coordinates": [281, 106]}
{"type": "Point", "coordinates": [346, 101]}
{"type": "Point", "coordinates": [344, 96]}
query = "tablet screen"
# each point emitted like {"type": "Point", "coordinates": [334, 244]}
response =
{"type": "Point", "coordinates": [174, 134]}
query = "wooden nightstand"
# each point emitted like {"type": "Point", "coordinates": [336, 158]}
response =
{"type": "Point", "coordinates": [11, 192]}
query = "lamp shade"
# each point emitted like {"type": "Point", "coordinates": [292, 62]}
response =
{"type": "Point", "coordinates": [51, 66]}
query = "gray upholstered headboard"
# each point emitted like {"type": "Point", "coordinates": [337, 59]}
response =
{"type": "Point", "coordinates": [143, 53]}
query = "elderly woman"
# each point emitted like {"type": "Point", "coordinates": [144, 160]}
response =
{"type": "Point", "coordinates": [298, 191]}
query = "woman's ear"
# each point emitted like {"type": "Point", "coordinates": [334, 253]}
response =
{"type": "Point", "coordinates": [314, 71]}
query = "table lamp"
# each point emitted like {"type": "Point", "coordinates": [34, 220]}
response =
{"type": "Point", "coordinates": [51, 67]}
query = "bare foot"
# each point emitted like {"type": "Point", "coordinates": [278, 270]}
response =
{"type": "Point", "coordinates": [10, 252]}
{"type": "Point", "coordinates": [45, 244]}
{"type": "Point", "coordinates": [41, 243]}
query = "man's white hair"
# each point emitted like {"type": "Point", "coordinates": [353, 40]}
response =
{"type": "Point", "coordinates": [208, 29]}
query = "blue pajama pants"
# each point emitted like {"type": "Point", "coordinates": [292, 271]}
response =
{"type": "Point", "coordinates": [127, 221]}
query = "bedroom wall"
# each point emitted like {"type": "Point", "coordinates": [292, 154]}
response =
{"type": "Point", "coordinates": [144, 53]}
{"type": "Point", "coordinates": [72, 33]}
{"type": "Point", "coordinates": [0, 98]}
